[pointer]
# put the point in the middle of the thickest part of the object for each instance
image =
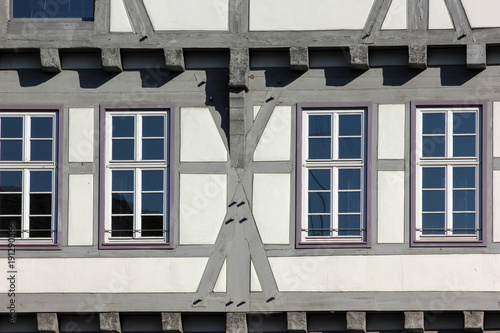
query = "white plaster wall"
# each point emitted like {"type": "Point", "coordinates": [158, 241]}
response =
{"type": "Point", "coordinates": [391, 131]}
{"type": "Point", "coordinates": [200, 139]}
{"type": "Point", "coordinates": [391, 206]}
{"type": "Point", "coordinates": [188, 15]}
{"type": "Point", "coordinates": [439, 17]}
{"type": "Point", "coordinates": [457, 272]}
{"type": "Point", "coordinates": [396, 16]}
{"type": "Point", "coordinates": [256, 109]}
{"type": "Point", "coordinates": [496, 205]}
{"type": "Point", "coordinates": [271, 206]}
{"type": "Point", "coordinates": [308, 14]}
{"type": "Point", "coordinates": [275, 142]}
{"type": "Point", "coordinates": [81, 135]}
{"type": "Point", "coordinates": [220, 284]}
{"type": "Point", "coordinates": [254, 279]}
{"type": "Point", "coordinates": [119, 20]}
{"type": "Point", "coordinates": [81, 210]}
{"type": "Point", "coordinates": [496, 129]}
{"type": "Point", "coordinates": [202, 207]}
{"type": "Point", "coordinates": [482, 13]}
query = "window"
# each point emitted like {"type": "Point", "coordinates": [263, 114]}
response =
{"type": "Point", "coordinates": [137, 177]}
{"type": "Point", "coordinates": [332, 198]}
{"type": "Point", "coordinates": [448, 175]}
{"type": "Point", "coordinates": [28, 176]}
{"type": "Point", "coordinates": [53, 9]}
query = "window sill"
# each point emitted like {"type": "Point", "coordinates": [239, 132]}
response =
{"type": "Point", "coordinates": [329, 243]}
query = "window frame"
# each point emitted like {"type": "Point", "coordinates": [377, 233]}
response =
{"type": "Point", "coordinates": [51, 19]}
{"type": "Point", "coordinates": [481, 175]}
{"type": "Point", "coordinates": [302, 135]}
{"type": "Point", "coordinates": [57, 111]}
{"type": "Point", "coordinates": [105, 189]}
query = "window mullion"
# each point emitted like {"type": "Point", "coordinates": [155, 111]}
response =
{"type": "Point", "coordinates": [449, 199]}
{"type": "Point", "coordinates": [25, 223]}
{"type": "Point", "coordinates": [449, 134]}
{"type": "Point", "coordinates": [138, 138]}
{"type": "Point", "coordinates": [27, 139]}
{"type": "Point", "coordinates": [335, 135]}
{"type": "Point", "coordinates": [334, 210]}
{"type": "Point", "coordinates": [138, 203]}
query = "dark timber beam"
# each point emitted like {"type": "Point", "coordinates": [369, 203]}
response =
{"type": "Point", "coordinates": [459, 18]}
{"type": "Point", "coordinates": [375, 19]}
{"type": "Point", "coordinates": [418, 15]}
{"type": "Point", "coordinates": [140, 20]}
{"type": "Point", "coordinates": [101, 16]}
{"type": "Point", "coordinates": [238, 16]}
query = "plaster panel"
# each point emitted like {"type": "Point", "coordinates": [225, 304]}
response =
{"type": "Point", "coordinates": [275, 142]}
{"type": "Point", "coordinates": [271, 207]}
{"type": "Point", "coordinates": [391, 206]}
{"type": "Point", "coordinates": [496, 205]}
{"type": "Point", "coordinates": [81, 210]}
{"type": "Point", "coordinates": [256, 109]}
{"type": "Point", "coordinates": [396, 16]}
{"type": "Point", "coordinates": [439, 17]}
{"type": "Point", "coordinates": [188, 15]}
{"type": "Point", "coordinates": [202, 207]}
{"type": "Point", "coordinates": [496, 129]}
{"type": "Point", "coordinates": [308, 14]}
{"type": "Point", "coordinates": [200, 140]}
{"type": "Point", "coordinates": [482, 13]}
{"type": "Point", "coordinates": [220, 285]}
{"type": "Point", "coordinates": [81, 135]}
{"type": "Point", "coordinates": [119, 20]}
{"type": "Point", "coordinates": [391, 131]}
{"type": "Point", "coordinates": [254, 279]}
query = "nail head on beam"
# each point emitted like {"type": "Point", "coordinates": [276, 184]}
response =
{"type": "Point", "coordinates": [47, 322]}
{"type": "Point", "coordinates": [110, 322]}
{"type": "Point", "coordinates": [356, 322]}
{"type": "Point", "coordinates": [236, 323]}
{"type": "Point", "coordinates": [476, 56]}
{"type": "Point", "coordinates": [299, 59]}
{"type": "Point", "coordinates": [50, 60]}
{"type": "Point", "coordinates": [359, 57]}
{"type": "Point", "coordinates": [174, 60]}
{"type": "Point", "coordinates": [239, 63]}
{"type": "Point", "coordinates": [473, 321]}
{"type": "Point", "coordinates": [417, 56]}
{"type": "Point", "coordinates": [296, 322]}
{"type": "Point", "coordinates": [111, 60]}
{"type": "Point", "coordinates": [414, 322]}
{"type": "Point", "coordinates": [171, 322]}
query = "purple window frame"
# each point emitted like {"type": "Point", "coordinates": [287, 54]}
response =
{"type": "Point", "coordinates": [58, 188]}
{"type": "Point", "coordinates": [102, 168]}
{"type": "Point", "coordinates": [368, 176]}
{"type": "Point", "coordinates": [483, 162]}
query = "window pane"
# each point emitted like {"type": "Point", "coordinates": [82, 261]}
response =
{"type": "Point", "coordinates": [41, 127]}
{"type": "Point", "coordinates": [320, 125]}
{"type": "Point", "coordinates": [349, 179]}
{"type": "Point", "coordinates": [152, 180]}
{"type": "Point", "coordinates": [433, 177]}
{"type": "Point", "coordinates": [122, 226]}
{"type": "Point", "coordinates": [319, 179]}
{"type": "Point", "coordinates": [433, 224]}
{"type": "Point", "coordinates": [464, 177]}
{"type": "Point", "coordinates": [11, 127]}
{"type": "Point", "coordinates": [464, 146]}
{"type": "Point", "coordinates": [10, 204]}
{"type": "Point", "coordinates": [123, 150]}
{"type": "Point", "coordinates": [152, 226]}
{"type": "Point", "coordinates": [41, 150]}
{"type": "Point", "coordinates": [152, 203]}
{"type": "Point", "coordinates": [349, 225]}
{"type": "Point", "coordinates": [350, 124]}
{"type": "Point", "coordinates": [6, 223]}
{"type": "Point", "coordinates": [153, 126]}
{"type": "Point", "coordinates": [433, 146]}
{"type": "Point", "coordinates": [11, 150]}
{"type": "Point", "coordinates": [349, 202]}
{"type": "Point", "coordinates": [350, 148]}
{"type": "Point", "coordinates": [41, 204]}
{"type": "Point", "coordinates": [122, 203]}
{"type": "Point", "coordinates": [433, 201]}
{"type": "Point", "coordinates": [53, 9]}
{"type": "Point", "coordinates": [41, 181]}
{"type": "Point", "coordinates": [11, 181]}
{"type": "Point", "coordinates": [319, 202]}
{"type": "Point", "coordinates": [464, 200]}
{"type": "Point", "coordinates": [320, 149]}
{"type": "Point", "coordinates": [319, 225]}
{"type": "Point", "coordinates": [433, 123]}
{"type": "Point", "coordinates": [41, 226]}
{"type": "Point", "coordinates": [153, 149]}
{"type": "Point", "coordinates": [464, 122]}
{"type": "Point", "coordinates": [464, 224]}
{"type": "Point", "coordinates": [123, 127]}
{"type": "Point", "coordinates": [123, 180]}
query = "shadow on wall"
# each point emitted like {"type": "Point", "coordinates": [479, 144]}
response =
{"type": "Point", "coordinates": [217, 95]}
{"type": "Point", "coordinates": [33, 77]}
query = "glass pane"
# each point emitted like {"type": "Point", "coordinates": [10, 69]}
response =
{"type": "Point", "coordinates": [433, 201]}
{"type": "Point", "coordinates": [349, 225]}
{"type": "Point", "coordinates": [464, 200]}
{"type": "Point", "coordinates": [349, 179]}
{"type": "Point", "coordinates": [41, 226]}
{"type": "Point", "coordinates": [152, 226]}
{"type": "Point", "coordinates": [319, 202]}
{"type": "Point", "coordinates": [152, 203]}
{"type": "Point", "coordinates": [11, 181]}
{"type": "Point", "coordinates": [153, 149]}
{"type": "Point", "coordinates": [153, 126]}
{"type": "Point", "coordinates": [433, 177]}
{"type": "Point", "coordinates": [123, 150]}
{"type": "Point", "coordinates": [464, 224]}
{"type": "Point", "coordinates": [11, 150]}
{"type": "Point", "coordinates": [433, 123]}
{"type": "Point", "coordinates": [464, 122]}
{"type": "Point", "coordinates": [122, 203]}
{"type": "Point", "coordinates": [350, 148]}
{"type": "Point", "coordinates": [350, 124]}
{"type": "Point", "coordinates": [53, 9]}
{"type": "Point", "coordinates": [10, 226]}
{"type": "Point", "coordinates": [320, 125]}
{"type": "Point", "coordinates": [320, 149]}
{"type": "Point", "coordinates": [41, 127]}
{"type": "Point", "coordinates": [11, 127]}
{"type": "Point", "coordinates": [152, 180]}
{"type": "Point", "coordinates": [433, 224]}
{"type": "Point", "coordinates": [349, 202]}
{"type": "Point", "coordinates": [123, 180]}
{"type": "Point", "coordinates": [41, 204]}
{"type": "Point", "coordinates": [41, 181]}
{"type": "Point", "coordinates": [319, 225]}
{"type": "Point", "coordinates": [122, 226]}
{"type": "Point", "coordinates": [41, 150]}
{"type": "Point", "coordinates": [319, 179]}
{"type": "Point", "coordinates": [10, 204]}
{"type": "Point", "coordinates": [464, 146]}
{"type": "Point", "coordinates": [123, 127]}
{"type": "Point", "coordinates": [433, 146]}
{"type": "Point", "coordinates": [464, 177]}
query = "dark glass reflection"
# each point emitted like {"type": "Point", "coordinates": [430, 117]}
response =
{"type": "Point", "coordinates": [433, 177]}
{"type": "Point", "coordinates": [122, 203]}
{"type": "Point", "coordinates": [10, 204]}
{"type": "Point", "coordinates": [41, 226]}
{"type": "Point", "coordinates": [122, 180]}
{"type": "Point", "coordinates": [433, 224]}
{"type": "Point", "coordinates": [320, 149]}
{"type": "Point", "coordinates": [152, 180]}
{"type": "Point", "coordinates": [123, 127]}
{"type": "Point", "coordinates": [349, 202]}
{"type": "Point", "coordinates": [153, 149]}
{"type": "Point", "coordinates": [152, 226]}
{"type": "Point", "coordinates": [349, 148]}
{"type": "Point", "coordinates": [6, 229]}
{"type": "Point", "coordinates": [11, 127]}
{"type": "Point", "coordinates": [41, 181]}
{"type": "Point", "coordinates": [319, 225]}
{"type": "Point", "coordinates": [464, 223]}
{"type": "Point", "coordinates": [41, 150]}
{"type": "Point", "coordinates": [434, 123]}
{"type": "Point", "coordinates": [319, 179]}
{"type": "Point", "coordinates": [41, 127]}
{"type": "Point", "coordinates": [464, 177]}
{"type": "Point", "coordinates": [153, 126]}
{"type": "Point", "coordinates": [464, 146]}
{"type": "Point", "coordinates": [433, 146]}
{"type": "Point", "coordinates": [464, 200]}
{"type": "Point", "coordinates": [53, 9]}
{"type": "Point", "coordinates": [464, 122]}
{"type": "Point", "coordinates": [349, 179]}
{"type": "Point", "coordinates": [152, 203]}
{"type": "Point", "coordinates": [433, 201]}
{"type": "Point", "coordinates": [123, 150]}
{"type": "Point", "coordinates": [319, 202]}
{"type": "Point", "coordinates": [122, 226]}
{"type": "Point", "coordinates": [11, 150]}
{"type": "Point", "coordinates": [41, 204]}
{"type": "Point", "coordinates": [350, 125]}
{"type": "Point", "coordinates": [11, 181]}
{"type": "Point", "coordinates": [349, 225]}
{"type": "Point", "coordinates": [320, 125]}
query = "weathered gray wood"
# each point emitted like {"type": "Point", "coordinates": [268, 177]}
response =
{"type": "Point", "coordinates": [171, 322]}
{"type": "Point", "coordinates": [417, 56]}
{"type": "Point", "coordinates": [473, 321]}
{"type": "Point", "coordinates": [50, 60]}
{"type": "Point", "coordinates": [174, 59]}
{"type": "Point", "coordinates": [47, 322]}
{"type": "Point", "coordinates": [459, 18]}
{"type": "Point", "coordinates": [299, 59]}
{"type": "Point", "coordinates": [111, 60]}
{"type": "Point", "coordinates": [238, 16]}
{"type": "Point", "coordinates": [414, 322]}
{"type": "Point", "coordinates": [476, 56]}
{"type": "Point", "coordinates": [239, 64]}
{"type": "Point", "coordinates": [236, 323]}
{"type": "Point", "coordinates": [418, 15]}
{"type": "Point", "coordinates": [140, 21]}
{"type": "Point", "coordinates": [296, 322]}
{"type": "Point", "coordinates": [375, 19]}
{"type": "Point", "coordinates": [359, 57]}
{"type": "Point", "coordinates": [237, 142]}
{"type": "Point", "coordinates": [101, 16]}
{"type": "Point", "coordinates": [110, 322]}
{"type": "Point", "coordinates": [4, 17]}
{"type": "Point", "coordinates": [356, 322]}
